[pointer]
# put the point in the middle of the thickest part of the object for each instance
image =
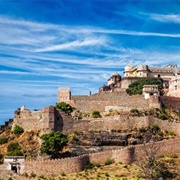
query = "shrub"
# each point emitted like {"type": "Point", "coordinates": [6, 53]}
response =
{"type": "Point", "coordinates": [109, 161]}
{"type": "Point", "coordinates": [3, 140]}
{"type": "Point", "coordinates": [14, 149]}
{"type": "Point", "coordinates": [96, 114]}
{"type": "Point", "coordinates": [65, 107]}
{"type": "Point", "coordinates": [171, 133]}
{"type": "Point", "coordinates": [162, 116]}
{"type": "Point", "coordinates": [63, 174]}
{"type": "Point", "coordinates": [134, 111]}
{"type": "Point", "coordinates": [32, 175]}
{"type": "Point", "coordinates": [18, 130]}
{"type": "Point", "coordinates": [13, 146]}
{"type": "Point", "coordinates": [89, 165]}
{"type": "Point", "coordinates": [173, 156]}
{"type": "Point", "coordinates": [160, 133]}
{"type": "Point", "coordinates": [151, 112]}
{"type": "Point", "coordinates": [142, 130]}
{"type": "Point", "coordinates": [106, 174]}
{"type": "Point", "coordinates": [154, 128]}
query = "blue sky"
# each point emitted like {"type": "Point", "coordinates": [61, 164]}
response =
{"type": "Point", "coordinates": [46, 44]}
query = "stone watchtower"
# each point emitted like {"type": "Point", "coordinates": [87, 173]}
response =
{"type": "Point", "coordinates": [151, 93]}
{"type": "Point", "coordinates": [64, 95]}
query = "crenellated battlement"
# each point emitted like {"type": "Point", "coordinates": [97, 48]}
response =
{"type": "Point", "coordinates": [125, 155]}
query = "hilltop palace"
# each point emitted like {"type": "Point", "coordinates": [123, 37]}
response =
{"type": "Point", "coordinates": [170, 75]}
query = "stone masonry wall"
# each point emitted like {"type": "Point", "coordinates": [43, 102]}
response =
{"type": "Point", "coordinates": [120, 122]}
{"type": "Point", "coordinates": [99, 101]}
{"type": "Point", "coordinates": [29, 120]}
{"type": "Point", "coordinates": [125, 155]}
{"type": "Point", "coordinates": [171, 102]}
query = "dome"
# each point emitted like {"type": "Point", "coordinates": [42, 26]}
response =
{"type": "Point", "coordinates": [128, 67]}
{"type": "Point", "coordinates": [142, 68]}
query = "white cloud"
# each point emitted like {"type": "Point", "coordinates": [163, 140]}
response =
{"type": "Point", "coordinates": [73, 44]}
{"type": "Point", "coordinates": [172, 18]}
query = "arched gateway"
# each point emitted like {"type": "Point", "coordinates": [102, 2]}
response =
{"type": "Point", "coordinates": [14, 163]}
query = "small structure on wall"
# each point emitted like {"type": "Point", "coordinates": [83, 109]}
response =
{"type": "Point", "coordinates": [14, 163]}
{"type": "Point", "coordinates": [150, 90]}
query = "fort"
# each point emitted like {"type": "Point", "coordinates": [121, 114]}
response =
{"type": "Point", "coordinates": [110, 97]}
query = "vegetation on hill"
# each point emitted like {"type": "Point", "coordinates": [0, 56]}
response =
{"type": "Point", "coordinates": [24, 144]}
{"type": "Point", "coordinates": [14, 149]}
{"type": "Point", "coordinates": [53, 143]}
{"type": "Point", "coordinates": [137, 86]}
{"type": "Point", "coordinates": [18, 130]}
{"type": "Point", "coordinates": [96, 114]}
{"type": "Point", "coordinates": [65, 107]}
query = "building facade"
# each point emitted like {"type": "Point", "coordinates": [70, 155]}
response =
{"type": "Point", "coordinates": [131, 74]}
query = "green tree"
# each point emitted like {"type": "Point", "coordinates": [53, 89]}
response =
{"type": "Point", "coordinates": [53, 142]}
{"type": "Point", "coordinates": [137, 86]}
{"type": "Point", "coordinates": [18, 130]}
{"type": "Point", "coordinates": [65, 107]}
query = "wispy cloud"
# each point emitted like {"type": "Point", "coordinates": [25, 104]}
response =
{"type": "Point", "coordinates": [73, 44]}
{"type": "Point", "coordinates": [172, 18]}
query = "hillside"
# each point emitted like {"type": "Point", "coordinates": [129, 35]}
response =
{"type": "Point", "coordinates": [28, 142]}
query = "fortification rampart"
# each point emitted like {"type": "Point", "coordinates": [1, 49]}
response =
{"type": "Point", "coordinates": [99, 101]}
{"type": "Point", "coordinates": [29, 120]}
{"type": "Point", "coordinates": [125, 155]}
{"type": "Point", "coordinates": [121, 122]}
{"type": "Point", "coordinates": [49, 119]}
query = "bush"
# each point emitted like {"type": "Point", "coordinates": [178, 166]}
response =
{"type": "Point", "coordinates": [3, 140]}
{"type": "Point", "coordinates": [151, 112]}
{"type": "Point", "coordinates": [160, 133]}
{"type": "Point", "coordinates": [89, 165]}
{"type": "Point", "coordinates": [96, 114]}
{"type": "Point", "coordinates": [134, 111]}
{"type": "Point", "coordinates": [18, 130]}
{"type": "Point", "coordinates": [109, 161]}
{"type": "Point", "coordinates": [154, 128]}
{"type": "Point", "coordinates": [171, 133]}
{"type": "Point", "coordinates": [14, 149]}
{"type": "Point", "coordinates": [162, 116]}
{"type": "Point", "coordinates": [65, 107]}
{"type": "Point", "coordinates": [173, 156]}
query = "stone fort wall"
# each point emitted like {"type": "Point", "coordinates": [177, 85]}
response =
{"type": "Point", "coordinates": [121, 122]}
{"type": "Point", "coordinates": [49, 119]}
{"type": "Point", "coordinates": [99, 101]}
{"type": "Point", "coordinates": [171, 102]}
{"type": "Point", "coordinates": [125, 155]}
